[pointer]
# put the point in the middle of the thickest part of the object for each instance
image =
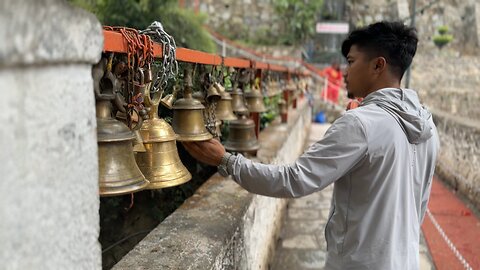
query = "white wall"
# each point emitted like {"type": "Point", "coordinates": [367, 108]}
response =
{"type": "Point", "coordinates": [48, 159]}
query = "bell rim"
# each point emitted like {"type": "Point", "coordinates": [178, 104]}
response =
{"type": "Point", "coordinates": [227, 118]}
{"type": "Point", "coordinates": [170, 183]}
{"type": "Point", "coordinates": [123, 190]}
{"type": "Point", "coordinates": [194, 137]}
{"type": "Point", "coordinates": [228, 147]}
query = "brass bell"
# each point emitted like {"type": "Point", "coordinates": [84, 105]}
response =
{"type": "Point", "coordinates": [118, 172]}
{"type": "Point", "coordinates": [282, 106]}
{"type": "Point", "coordinates": [168, 100]}
{"type": "Point", "coordinates": [212, 94]}
{"type": "Point", "coordinates": [283, 109]}
{"type": "Point", "coordinates": [254, 100]}
{"type": "Point", "coordinates": [224, 109]}
{"type": "Point", "coordinates": [138, 142]}
{"type": "Point", "coordinates": [160, 163]}
{"type": "Point", "coordinates": [218, 128]}
{"type": "Point", "coordinates": [238, 103]}
{"type": "Point", "coordinates": [188, 120]}
{"type": "Point", "coordinates": [241, 136]}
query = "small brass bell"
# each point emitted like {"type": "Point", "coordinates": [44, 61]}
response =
{"type": "Point", "coordinates": [282, 106]}
{"type": "Point", "coordinates": [138, 142]}
{"type": "Point", "coordinates": [224, 109]}
{"type": "Point", "coordinates": [241, 136]}
{"type": "Point", "coordinates": [238, 103]}
{"type": "Point", "coordinates": [283, 109]}
{"type": "Point", "coordinates": [254, 100]}
{"type": "Point", "coordinates": [218, 128]}
{"type": "Point", "coordinates": [188, 120]}
{"type": "Point", "coordinates": [169, 99]}
{"type": "Point", "coordinates": [212, 94]}
{"type": "Point", "coordinates": [160, 163]}
{"type": "Point", "coordinates": [118, 172]}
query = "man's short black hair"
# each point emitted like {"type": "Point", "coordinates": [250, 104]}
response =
{"type": "Point", "coordinates": [394, 41]}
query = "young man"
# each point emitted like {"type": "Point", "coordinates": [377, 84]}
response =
{"type": "Point", "coordinates": [380, 157]}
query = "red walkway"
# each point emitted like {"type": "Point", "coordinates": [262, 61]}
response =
{"type": "Point", "coordinates": [452, 231]}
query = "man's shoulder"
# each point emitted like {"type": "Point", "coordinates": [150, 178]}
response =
{"type": "Point", "coordinates": [365, 115]}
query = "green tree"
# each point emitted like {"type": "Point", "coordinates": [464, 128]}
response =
{"type": "Point", "coordinates": [184, 25]}
{"type": "Point", "coordinates": [300, 20]}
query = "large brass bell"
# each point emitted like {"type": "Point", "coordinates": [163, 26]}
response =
{"type": "Point", "coordinates": [254, 100]}
{"type": "Point", "coordinates": [188, 120]}
{"type": "Point", "coordinates": [160, 163]}
{"type": "Point", "coordinates": [118, 172]}
{"type": "Point", "coordinates": [238, 103]}
{"type": "Point", "coordinates": [224, 109]}
{"type": "Point", "coordinates": [241, 136]}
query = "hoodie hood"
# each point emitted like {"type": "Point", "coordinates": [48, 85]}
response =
{"type": "Point", "coordinates": [404, 106]}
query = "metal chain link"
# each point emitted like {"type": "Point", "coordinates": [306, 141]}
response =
{"type": "Point", "coordinates": [168, 69]}
{"type": "Point", "coordinates": [211, 118]}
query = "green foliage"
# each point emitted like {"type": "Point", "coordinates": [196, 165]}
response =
{"type": "Point", "coordinates": [301, 15]}
{"type": "Point", "coordinates": [271, 103]}
{"type": "Point", "coordinates": [443, 38]}
{"type": "Point", "coordinates": [442, 30]}
{"type": "Point", "coordinates": [187, 29]}
{"type": "Point", "coordinates": [184, 25]}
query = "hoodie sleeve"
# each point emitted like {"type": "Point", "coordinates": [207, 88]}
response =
{"type": "Point", "coordinates": [343, 146]}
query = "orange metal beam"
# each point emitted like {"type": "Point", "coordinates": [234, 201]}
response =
{"type": "Point", "coordinates": [237, 62]}
{"type": "Point", "coordinates": [192, 56]}
{"type": "Point", "coordinates": [278, 68]}
{"type": "Point", "coordinates": [261, 65]}
{"type": "Point", "coordinates": [115, 42]}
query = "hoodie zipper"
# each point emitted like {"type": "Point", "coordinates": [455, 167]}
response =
{"type": "Point", "coordinates": [326, 225]}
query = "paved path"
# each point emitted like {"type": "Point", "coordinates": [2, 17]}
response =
{"type": "Point", "coordinates": [302, 242]}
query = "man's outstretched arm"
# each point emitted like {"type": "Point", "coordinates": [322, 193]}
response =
{"type": "Point", "coordinates": [343, 146]}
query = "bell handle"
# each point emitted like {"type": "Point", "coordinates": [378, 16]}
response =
{"type": "Point", "coordinates": [157, 96]}
{"type": "Point", "coordinates": [139, 118]}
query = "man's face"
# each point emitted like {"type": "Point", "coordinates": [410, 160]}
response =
{"type": "Point", "coordinates": [357, 74]}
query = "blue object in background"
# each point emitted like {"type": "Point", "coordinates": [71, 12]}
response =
{"type": "Point", "coordinates": [320, 117]}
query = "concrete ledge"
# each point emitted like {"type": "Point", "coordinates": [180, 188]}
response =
{"type": "Point", "coordinates": [223, 226]}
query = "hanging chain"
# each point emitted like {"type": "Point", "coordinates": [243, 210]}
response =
{"type": "Point", "coordinates": [209, 113]}
{"type": "Point", "coordinates": [168, 69]}
{"type": "Point", "coordinates": [139, 55]}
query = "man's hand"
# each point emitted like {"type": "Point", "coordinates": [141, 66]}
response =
{"type": "Point", "coordinates": [209, 152]}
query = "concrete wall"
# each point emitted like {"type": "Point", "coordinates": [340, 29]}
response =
{"type": "Point", "coordinates": [223, 226]}
{"type": "Point", "coordinates": [48, 162]}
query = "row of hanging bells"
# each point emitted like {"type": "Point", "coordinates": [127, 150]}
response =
{"type": "Point", "coordinates": [157, 163]}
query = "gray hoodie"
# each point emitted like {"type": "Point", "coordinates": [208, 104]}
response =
{"type": "Point", "coordinates": [381, 158]}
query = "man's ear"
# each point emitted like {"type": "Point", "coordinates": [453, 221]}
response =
{"type": "Point", "coordinates": [379, 64]}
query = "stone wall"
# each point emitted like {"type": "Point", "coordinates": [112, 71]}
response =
{"type": "Point", "coordinates": [245, 19]}
{"type": "Point", "coordinates": [459, 156]}
{"type": "Point", "coordinates": [223, 226]}
{"type": "Point", "coordinates": [461, 16]}
{"type": "Point", "coordinates": [49, 165]}
{"type": "Point", "coordinates": [448, 83]}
